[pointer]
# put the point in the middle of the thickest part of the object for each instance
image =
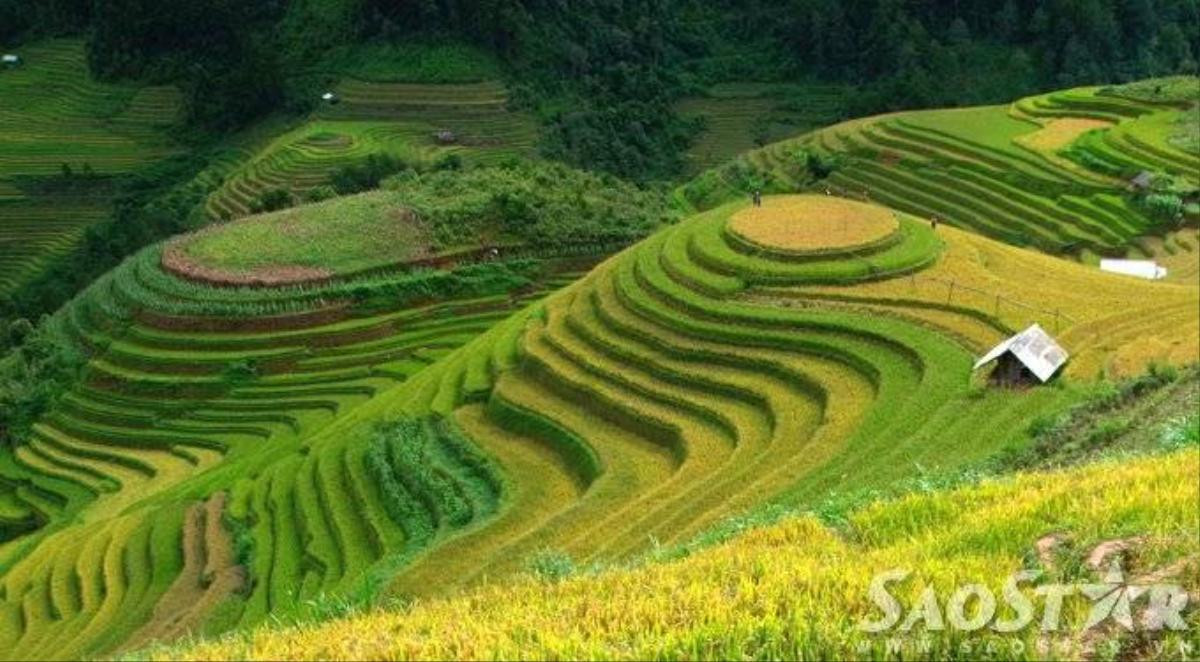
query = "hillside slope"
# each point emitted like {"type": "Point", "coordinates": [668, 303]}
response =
{"type": "Point", "coordinates": [407, 432]}
{"type": "Point", "coordinates": [1050, 172]}
{"type": "Point", "coordinates": [294, 410]}
{"type": "Point", "coordinates": [799, 590]}
{"type": "Point", "coordinates": [400, 119]}
{"type": "Point", "coordinates": [63, 136]}
{"type": "Point", "coordinates": [695, 375]}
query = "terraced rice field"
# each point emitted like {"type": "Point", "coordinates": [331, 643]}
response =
{"type": "Point", "coordinates": [359, 437]}
{"type": "Point", "coordinates": [739, 117]}
{"type": "Point", "coordinates": [395, 118]}
{"type": "Point", "coordinates": [1177, 252]}
{"type": "Point", "coordinates": [196, 392]}
{"type": "Point", "coordinates": [809, 223]}
{"type": "Point", "coordinates": [1140, 135]}
{"type": "Point", "coordinates": [694, 375]}
{"type": "Point", "coordinates": [1011, 173]}
{"type": "Point", "coordinates": [798, 590]}
{"type": "Point", "coordinates": [53, 115]}
{"type": "Point", "coordinates": [313, 242]}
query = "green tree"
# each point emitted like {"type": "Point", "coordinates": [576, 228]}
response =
{"type": "Point", "coordinates": [1174, 51]}
{"type": "Point", "coordinates": [1006, 21]}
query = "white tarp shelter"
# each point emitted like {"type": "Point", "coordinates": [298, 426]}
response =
{"type": "Point", "coordinates": [1034, 348]}
{"type": "Point", "coordinates": [1147, 269]}
{"type": "Point", "coordinates": [10, 58]}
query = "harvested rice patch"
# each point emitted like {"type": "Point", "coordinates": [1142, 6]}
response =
{"type": "Point", "coordinates": [1057, 134]}
{"type": "Point", "coordinates": [1130, 359]}
{"type": "Point", "coordinates": [813, 223]}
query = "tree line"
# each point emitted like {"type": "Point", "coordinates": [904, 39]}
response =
{"type": "Point", "coordinates": [604, 74]}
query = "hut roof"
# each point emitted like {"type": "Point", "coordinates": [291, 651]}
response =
{"type": "Point", "coordinates": [1034, 348]}
{"type": "Point", "coordinates": [1143, 179]}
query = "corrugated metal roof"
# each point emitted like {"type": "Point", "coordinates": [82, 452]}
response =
{"type": "Point", "coordinates": [1034, 348]}
{"type": "Point", "coordinates": [1147, 269]}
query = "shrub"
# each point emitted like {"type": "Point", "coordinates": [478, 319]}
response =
{"type": "Point", "coordinates": [34, 375]}
{"type": "Point", "coordinates": [272, 200]}
{"type": "Point", "coordinates": [240, 372]}
{"type": "Point", "coordinates": [551, 565]}
{"type": "Point", "coordinates": [368, 174]}
{"type": "Point", "coordinates": [450, 161]}
{"type": "Point", "coordinates": [320, 193]}
{"type": "Point", "coordinates": [537, 203]}
{"type": "Point", "coordinates": [1163, 206]}
{"type": "Point", "coordinates": [1180, 433]}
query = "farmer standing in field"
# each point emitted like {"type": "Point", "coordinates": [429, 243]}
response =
{"type": "Point", "coordinates": [757, 198]}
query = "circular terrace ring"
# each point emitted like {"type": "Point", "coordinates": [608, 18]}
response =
{"type": "Point", "coordinates": [813, 224]}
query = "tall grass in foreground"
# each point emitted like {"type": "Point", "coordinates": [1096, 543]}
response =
{"type": "Point", "coordinates": [797, 590]}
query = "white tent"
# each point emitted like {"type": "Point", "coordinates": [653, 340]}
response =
{"type": "Point", "coordinates": [1147, 269]}
{"type": "Point", "coordinates": [1034, 348]}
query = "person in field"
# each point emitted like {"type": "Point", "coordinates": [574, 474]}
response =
{"type": "Point", "coordinates": [757, 198]}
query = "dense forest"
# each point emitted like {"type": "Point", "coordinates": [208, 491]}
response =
{"type": "Point", "coordinates": [603, 73]}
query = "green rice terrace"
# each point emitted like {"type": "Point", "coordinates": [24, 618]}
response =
{"type": "Point", "coordinates": [738, 117]}
{"type": "Point", "coordinates": [622, 330]}
{"type": "Point", "coordinates": [236, 453]}
{"type": "Point", "coordinates": [485, 359]}
{"type": "Point", "coordinates": [1054, 172]}
{"type": "Point", "coordinates": [62, 136]}
{"type": "Point", "coordinates": [416, 122]}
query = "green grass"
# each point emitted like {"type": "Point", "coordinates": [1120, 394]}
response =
{"type": "Point", "coordinates": [335, 236]}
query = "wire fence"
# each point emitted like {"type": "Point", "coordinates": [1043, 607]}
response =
{"type": "Point", "coordinates": [999, 305]}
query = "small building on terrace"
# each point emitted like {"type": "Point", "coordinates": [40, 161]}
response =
{"type": "Point", "coordinates": [10, 60]}
{"type": "Point", "coordinates": [1142, 181]}
{"type": "Point", "coordinates": [1029, 357]}
{"type": "Point", "coordinates": [1148, 269]}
